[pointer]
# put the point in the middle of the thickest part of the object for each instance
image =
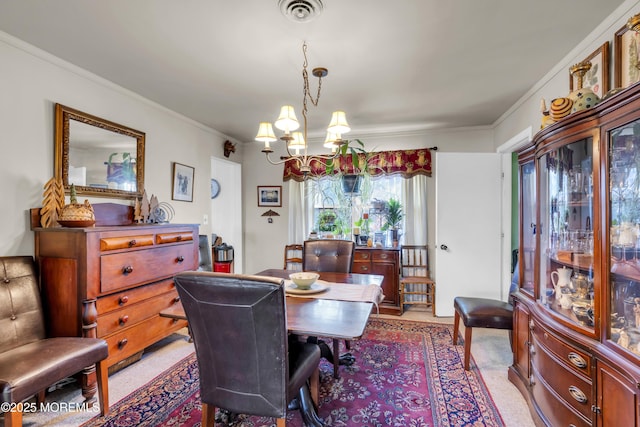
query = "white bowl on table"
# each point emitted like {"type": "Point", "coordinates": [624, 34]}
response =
{"type": "Point", "coordinates": [304, 279]}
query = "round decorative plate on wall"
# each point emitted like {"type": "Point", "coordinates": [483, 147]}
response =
{"type": "Point", "coordinates": [215, 188]}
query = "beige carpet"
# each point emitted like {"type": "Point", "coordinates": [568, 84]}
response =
{"type": "Point", "coordinates": [490, 351]}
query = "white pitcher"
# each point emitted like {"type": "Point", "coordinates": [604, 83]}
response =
{"type": "Point", "coordinates": [560, 279]}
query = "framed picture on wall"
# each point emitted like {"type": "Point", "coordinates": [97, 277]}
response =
{"type": "Point", "coordinates": [597, 78]}
{"type": "Point", "coordinates": [270, 195]}
{"type": "Point", "coordinates": [182, 183]}
{"type": "Point", "coordinates": [626, 48]}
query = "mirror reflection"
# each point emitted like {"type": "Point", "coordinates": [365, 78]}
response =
{"type": "Point", "coordinates": [99, 157]}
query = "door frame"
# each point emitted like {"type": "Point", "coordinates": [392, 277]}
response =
{"type": "Point", "coordinates": [515, 143]}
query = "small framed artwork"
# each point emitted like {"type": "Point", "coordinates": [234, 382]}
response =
{"type": "Point", "coordinates": [597, 78]}
{"type": "Point", "coordinates": [626, 48]}
{"type": "Point", "coordinates": [182, 182]}
{"type": "Point", "coordinates": [270, 195]}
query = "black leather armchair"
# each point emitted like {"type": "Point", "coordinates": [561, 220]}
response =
{"type": "Point", "coordinates": [328, 255]}
{"type": "Point", "coordinates": [246, 363]}
{"type": "Point", "coordinates": [29, 362]}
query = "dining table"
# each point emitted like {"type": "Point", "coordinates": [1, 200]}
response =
{"type": "Point", "coordinates": [340, 313]}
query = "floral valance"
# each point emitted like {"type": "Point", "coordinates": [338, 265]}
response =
{"type": "Point", "coordinates": [406, 163]}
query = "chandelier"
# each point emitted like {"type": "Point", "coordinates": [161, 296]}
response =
{"type": "Point", "coordinates": [296, 142]}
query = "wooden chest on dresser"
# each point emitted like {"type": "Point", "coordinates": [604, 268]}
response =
{"type": "Point", "coordinates": [385, 262]}
{"type": "Point", "coordinates": [114, 280]}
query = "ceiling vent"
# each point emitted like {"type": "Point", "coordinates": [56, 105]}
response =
{"type": "Point", "coordinates": [300, 10]}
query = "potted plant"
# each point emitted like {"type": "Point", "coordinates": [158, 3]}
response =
{"type": "Point", "coordinates": [393, 218]}
{"type": "Point", "coordinates": [351, 182]}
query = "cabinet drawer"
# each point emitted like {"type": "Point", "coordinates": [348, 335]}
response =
{"type": "Point", "coordinates": [361, 267]}
{"type": "Point", "coordinates": [134, 339]}
{"type": "Point", "coordinates": [553, 408]}
{"type": "Point", "coordinates": [383, 256]}
{"type": "Point", "coordinates": [575, 358]}
{"type": "Point", "coordinates": [134, 313]}
{"type": "Point", "coordinates": [573, 387]}
{"type": "Point", "coordinates": [361, 256]}
{"type": "Point", "coordinates": [183, 236]}
{"type": "Point", "coordinates": [132, 296]}
{"type": "Point", "coordinates": [121, 270]}
{"type": "Point", "coordinates": [125, 242]}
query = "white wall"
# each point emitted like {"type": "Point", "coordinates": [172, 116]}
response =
{"type": "Point", "coordinates": [264, 243]}
{"type": "Point", "coordinates": [31, 82]}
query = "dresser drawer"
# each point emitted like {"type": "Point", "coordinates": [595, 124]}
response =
{"type": "Point", "coordinates": [553, 408]}
{"type": "Point", "coordinates": [132, 296]}
{"type": "Point", "coordinates": [575, 358]}
{"type": "Point", "coordinates": [383, 256]}
{"type": "Point", "coordinates": [362, 256]}
{"type": "Point", "coordinates": [183, 236]}
{"type": "Point", "coordinates": [125, 242]}
{"type": "Point", "coordinates": [125, 269]}
{"type": "Point", "coordinates": [133, 313]}
{"type": "Point", "coordinates": [134, 339]}
{"type": "Point", "coordinates": [361, 267]}
{"type": "Point", "coordinates": [573, 387]}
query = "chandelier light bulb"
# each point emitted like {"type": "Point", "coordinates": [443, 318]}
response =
{"type": "Point", "coordinates": [298, 142]}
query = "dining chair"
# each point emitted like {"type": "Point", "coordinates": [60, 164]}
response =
{"type": "Point", "coordinates": [416, 286]}
{"type": "Point", "coordinates": [29, 361]}
{"type": "Point", "coordinates": [247, 364]}
{"type": "Point", "coordinates": [293, 257]}
{"type": "Point", "coordinates": [328, 255]}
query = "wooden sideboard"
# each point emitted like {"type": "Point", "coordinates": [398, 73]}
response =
{"type": "Point", "coordinates": [385, 262]}
{"type": "Point", "coordinates": [114, 281]}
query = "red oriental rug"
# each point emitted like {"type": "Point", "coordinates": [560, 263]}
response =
{"type": "Point", "coordinates": [405, 374]}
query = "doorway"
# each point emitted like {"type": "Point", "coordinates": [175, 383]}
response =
{"type": "Point", "coordinates": [226, 208]}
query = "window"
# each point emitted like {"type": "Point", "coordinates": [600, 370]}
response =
{"type": "Point", "coordinates": [337, 213]}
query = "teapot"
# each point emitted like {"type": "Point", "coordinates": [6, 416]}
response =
{"type": "Point", "coordinates": [580, 284]}
{"type": "Point", "coordinates": [561, 278]}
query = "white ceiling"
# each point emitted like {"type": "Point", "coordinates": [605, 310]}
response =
{"type": "Point", "coordinates": [393, 64]}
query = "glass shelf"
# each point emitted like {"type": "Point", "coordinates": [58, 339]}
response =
{"type": "Point", "coordinates": [624, 236]}
{"type": "Point", "coordinates": [566, 233]}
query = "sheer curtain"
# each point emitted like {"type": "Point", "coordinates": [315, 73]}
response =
{"type": "Point", "coordinates": [300, 212]}
{"type": "Point", "coordinates": [414, 199]}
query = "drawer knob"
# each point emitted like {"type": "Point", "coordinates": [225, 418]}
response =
{"type": "Point", "coordinates": [124, 319]}
{"type": "Point", "coordinates": [383, 256]}
{"type": "Point", "coordinates": [577, 394]}
{"type": "Point", "coordinates": [123, 300]}
{"type": "Point", "coordinates": [127, 270]}
{"type": "Point", "coordinates": [122, 343]}
{"type": "Point", "coordinates": [180, 259]}
{"type": "Point", "coordinates": [132, 243]}
{"type": "Point", "coordinates": [577, 360]}
{"type": "Point", "coordinates": [179, 238]}
{"type": "Point", "coordinates": [531, 325]}
{"type": "Point", "coordinates": [176, 300]}
{"type": "Point", "coordinates": [364, 268]}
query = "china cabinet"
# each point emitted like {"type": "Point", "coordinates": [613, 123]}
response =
{"type": "Point", "coordinates": [576, 329]}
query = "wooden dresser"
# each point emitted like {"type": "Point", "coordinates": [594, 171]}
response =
{"type": "Point", "coordinates": [385, 262]}
{"type": "Point", "coordinates": [114, 280]}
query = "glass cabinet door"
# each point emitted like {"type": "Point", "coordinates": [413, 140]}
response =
{"type": "Point", "coordinates": [566, 232]}
{"type": "Point", "coordinates": [528, 225]}
{"type": "Point", "coordinates": [624, 246]}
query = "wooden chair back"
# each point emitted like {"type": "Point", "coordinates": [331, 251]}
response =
{"type": "Point", "coordinates": [293, 257]}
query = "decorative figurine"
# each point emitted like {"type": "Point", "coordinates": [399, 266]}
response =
{"type": "Point", "coordinates": [52, 203]}
{"type": "Point", "coordinates": [75, 214]}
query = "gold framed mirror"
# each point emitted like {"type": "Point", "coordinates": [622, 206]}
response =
{"type": "Point", "coordinates": [100, 157]}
